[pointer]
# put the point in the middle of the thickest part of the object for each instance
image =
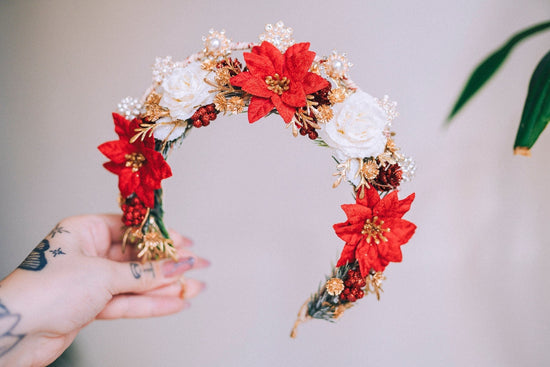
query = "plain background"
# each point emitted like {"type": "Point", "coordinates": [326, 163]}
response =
{"type": "Point", "coordinates": [473, 288]}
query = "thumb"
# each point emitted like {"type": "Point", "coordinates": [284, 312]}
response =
{"type": "Point", "coordinates": [135, 277]}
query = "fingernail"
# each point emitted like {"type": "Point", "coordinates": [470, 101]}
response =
{"type": "Point", "coordinates": [191, 288]}
{"type": "Point", "coordinates": [173, 268]}
{"type": "Point", "coordinates": [201, 263]}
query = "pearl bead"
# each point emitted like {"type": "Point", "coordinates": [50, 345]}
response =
{"type": "Point", "coordinates": [214, 44]}
{"type": "Point", "coordinates": [337, 66]}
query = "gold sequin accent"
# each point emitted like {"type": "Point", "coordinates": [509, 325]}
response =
{"type": "Point", "coordinates": [369, 170]}
{"type": "Point", "coordinates": [337, 95]}
{"type": "Point", "coordinates": [374, 230]}
{"type": "Point", "coordinates": [324, 113]}
{"type": "Point", "coordinates": [276, 84]}
{"type": "Point", "coordinates": [223, 75]}
{"type": "Point", "coordinates": [153, 111]}
{"type": "Point", "coordinates": [390, 146]}
{"type": "Point", "coordinates": [134, 160]}
{"type": "Point", "coordinates": [209, 64]}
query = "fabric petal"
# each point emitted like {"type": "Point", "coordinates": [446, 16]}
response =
{"type": "Point", "coordinates": [295, 96]}
{"type": "Point", "coordinates": [257, 87]}
{"type": "Point", "coordinates": [113, 167]}
{"type": "Point", "coordinates": [116, 150]}
{"type": "Point", "coordinates": [350, 233]}
{"type": "Point", "coordinates": [121, 126]}
{"type": "Point", "coordinates": [273, 53]}
{"type": "Point", "coordinates": [357, 213]}
{"type": "Point", "coordinates": [404, 205]}
{"type": "Point", "coordinates": [401, 230]}
{"type": "Point", "coordinates": [386, 206]}
{"type": "Point", "coordinates": [370, 197]}
{"type": "Point", "coordinates": [366, 256]}
{"type": "Point", "coordinates": [286, 112]}
{"type": "Point", "coordinates": [298, 60]}
{"type": "Point", "coordinates": [146, 195]}
{"type": "Point", "coordinates": [258, 108]}
{"type": "Point", "coordinates": [347, 255]}
{"type": "Point", "coordinates": [259, 65]}
{"type": "Point", "coordinates": [313, 82]}
{"type": "Point", "coordinates": [241, 78]}
{"type": "Point", "coordinates": [128, 182]}
{"type": "Point", "coordinates": [159, 168]}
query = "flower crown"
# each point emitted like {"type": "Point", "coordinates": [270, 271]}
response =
{"type": "Point", "coordinates": [315, 98]}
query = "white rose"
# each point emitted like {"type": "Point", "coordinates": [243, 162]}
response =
{"type": "Point", "coordinates": [357, 128]}
{"type": "Point", "coordinates": [185, 90]}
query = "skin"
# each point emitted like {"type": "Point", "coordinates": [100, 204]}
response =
{"type": "Point", "coordinates": [78, 274]}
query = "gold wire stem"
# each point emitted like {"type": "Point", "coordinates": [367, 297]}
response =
{"type": "Point", "coordinates": [302, 317]}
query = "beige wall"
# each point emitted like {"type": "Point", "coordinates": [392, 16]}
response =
{"type": "Point", "coordinates": [473, 287]}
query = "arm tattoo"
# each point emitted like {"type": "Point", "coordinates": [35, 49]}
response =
{"type": "Point", "coordinates": [36, 260]}
{"type": "Point", "coordinates": [8, 321]}
{"type": "Point", "coordinates": [57, 251]}
{"type": "Point", "coordinates": [56, 230]}
{"type": "Point", "coordinates": [138, 269]}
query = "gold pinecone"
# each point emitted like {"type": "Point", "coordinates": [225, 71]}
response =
{"type": "Point", "coordinates": [334, 286]}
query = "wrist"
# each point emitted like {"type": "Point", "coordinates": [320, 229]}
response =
{"type": "Point", "coordinates": [21, 340]}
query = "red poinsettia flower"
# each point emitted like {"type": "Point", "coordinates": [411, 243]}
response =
{"type": "Point", "coordinates": [139, 167]}
{"type": "Point", "coordinates": [374, 230]}
{"type": "Point", "coordinates": [278, 81]}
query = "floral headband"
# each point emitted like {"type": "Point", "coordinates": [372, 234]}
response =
{"type": "Point", "coordinates": [316, 99]}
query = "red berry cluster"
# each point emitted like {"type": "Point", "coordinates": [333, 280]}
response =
{"type": "Point", "coordinates": [309, 130]}
{"type": "Point", "coordinates": [321, 97]}
{"type": "Point", "coordinates": [204, 115]}
{"type": "Point", "coordinates": [134, 212]}
{"type": "Point", "coordinates": [353, 286]}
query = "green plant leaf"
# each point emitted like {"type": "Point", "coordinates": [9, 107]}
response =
{"type": "Point", "coordinates": [536, 111]}
{"type": "Point", "coordinates": [485, 70]}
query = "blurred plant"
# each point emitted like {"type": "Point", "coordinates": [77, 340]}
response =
{"type": "Point", "coordinates": [536, 111]}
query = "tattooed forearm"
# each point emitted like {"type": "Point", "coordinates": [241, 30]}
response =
{"type": "Point", "coordinates": [8, 321]}
{"type": "Point", "coordinates": [56, 230]}
{"type": "Point", "coordinates": [138, 269]}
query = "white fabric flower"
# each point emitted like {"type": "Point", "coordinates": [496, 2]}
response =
{"type": "Point", "coordinates": [357, 128]}
{"type": "Point", "coordinates": [166, 127]}
{"type": "Point", "coordinates": [185, 90]}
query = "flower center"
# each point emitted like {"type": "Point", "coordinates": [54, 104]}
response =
{"type": "Point", "coordinates": [276, 84]}
{"type": "Point", "coordinates": [134, 160]}
{"type": "Point", "coordinates": [374, 230]}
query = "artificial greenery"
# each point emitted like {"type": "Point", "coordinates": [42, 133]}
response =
{"type": "Point", "coordinates": [536, 112]}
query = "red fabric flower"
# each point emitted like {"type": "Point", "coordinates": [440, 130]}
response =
{"type": "Point", "coordinates": [374, 230]}
{"type": "Point", "coordinates": [139, 167]}
{"type": "Point", "coordinates": [278, 81]}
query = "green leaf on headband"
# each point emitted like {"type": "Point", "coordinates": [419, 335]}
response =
{"type": "Point", "coordinates": [536, 112]}
{"type": "Point", "coordinates": [485, 70]}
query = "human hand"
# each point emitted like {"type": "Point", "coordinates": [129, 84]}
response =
{"type": "Point", "coordinates": [79, 273]}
